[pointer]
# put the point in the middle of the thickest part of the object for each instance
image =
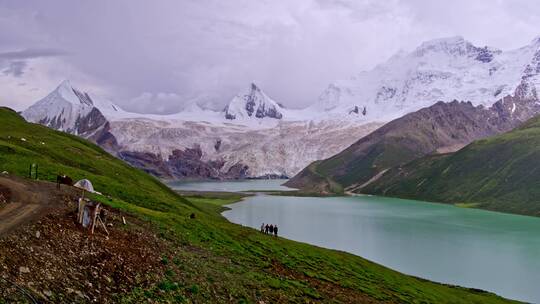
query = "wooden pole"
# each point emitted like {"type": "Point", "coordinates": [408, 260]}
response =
{"type": "Point", "coordinates": [103, 224]}
{"type": "Point", "coordinates": [94, 218]}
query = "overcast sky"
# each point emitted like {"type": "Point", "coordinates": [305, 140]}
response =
{"type": "Point", "coordinates": [154, 56]}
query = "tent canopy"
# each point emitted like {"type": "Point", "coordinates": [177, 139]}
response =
{"type": "Point", "coordinates": [85, 185]}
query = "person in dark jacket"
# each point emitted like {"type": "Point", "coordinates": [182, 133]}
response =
{"type": "Point", "coordinates": [271, 229]}
{"type": "Point", "coordinates": [266, 228]}
{"type": "Point", "coordinates": [275, 230]}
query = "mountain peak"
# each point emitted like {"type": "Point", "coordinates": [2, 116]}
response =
{"type": "Point", "coordinates": [66, 83]}
{"type": "Point", "coordinates": [253, 103]}
{"type": "Point", "coordinates": [445, 40]}
{"type": "Point", "coordinates": [66, 92]}
{"type": "Point", "coordinates": [254, 87]}
{"type": "Point", "coordinates": [535, 41]}
{"type": "Point", "coordinates": [69, 109]}
{"type": "Point", "coordinates": [455, 46]}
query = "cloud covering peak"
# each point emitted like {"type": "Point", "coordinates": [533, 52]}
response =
{"type": "Point", "coordinates": [155, 58]}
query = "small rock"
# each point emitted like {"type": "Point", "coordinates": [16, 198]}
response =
{"type": "Point", "coordinates": [24, 269]}
{"type": "Point", "coordinates": [38, 234]}
{"type": "Point", "coordinates": [48, 293]}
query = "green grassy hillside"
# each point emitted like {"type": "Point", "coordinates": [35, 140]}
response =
{"type": "Point", "coordinates": [212, 260]}
{"type": "Point", "coordinates": [500, 173]}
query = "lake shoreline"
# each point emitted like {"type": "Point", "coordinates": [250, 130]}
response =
{"type": "Point", "coordinates": [483, 222]}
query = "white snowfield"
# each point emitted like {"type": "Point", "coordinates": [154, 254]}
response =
{"type": "Point", "coordinates": [257, 131]}
{"type": "Point", "coordinates": [442, 69]}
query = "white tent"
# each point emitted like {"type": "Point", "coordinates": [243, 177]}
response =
{"type": "Point", "coordinates": [85, 185]}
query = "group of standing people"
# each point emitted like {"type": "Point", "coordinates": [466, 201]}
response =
{"type": "Point", "coordinates": [269, 229]}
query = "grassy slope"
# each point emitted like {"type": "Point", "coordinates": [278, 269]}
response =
{"type": "Point", "coordinates": [500, 173]}
{"type": "Point", "coordinates": [354, 165]}
{"type": "Point", "coordinates": [212, 259]}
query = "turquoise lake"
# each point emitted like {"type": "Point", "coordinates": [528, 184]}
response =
{"type": "Point", "coordinates": [467, 247]}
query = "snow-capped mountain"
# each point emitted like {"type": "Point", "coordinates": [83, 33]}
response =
{"type": "Point", "coordinates": [72, 110]}
{"type": "Point", "coordinates": [262, 140]}
{"type": "Point", "coordinates": [253, 103]}
{"type": "Point", "coordinates": [441, 69]}
{"type": "Point", "coordinates": [255, 136]}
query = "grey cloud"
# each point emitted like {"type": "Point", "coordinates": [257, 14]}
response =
{"type": "Point", "coordinates": [14, 63]}
{"type": "Point", "coordinates": [191, 48]}
{"type": "Point", "coordinates": [32, 53]}
{"type": "Point", "coordinates": [15, 68]}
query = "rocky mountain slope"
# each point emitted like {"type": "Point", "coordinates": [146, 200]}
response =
{"type": "Point", "coordinates": [499, 173]}
{"type": "Point", "coordinates": [443, 127]}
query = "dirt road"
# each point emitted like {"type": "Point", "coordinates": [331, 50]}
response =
{"type": "Point", "coordinates": [28, 200]}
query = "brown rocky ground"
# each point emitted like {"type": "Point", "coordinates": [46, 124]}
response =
{"type": "Point", "coordinates": [22, 201]}
{"type": "Point", "coordinates": [46, 256]}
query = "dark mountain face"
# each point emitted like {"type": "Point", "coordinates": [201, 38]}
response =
{"type": "Point", "coordinates": [183, 164]}
{"type": "Point", "coordinates": [441, 128]}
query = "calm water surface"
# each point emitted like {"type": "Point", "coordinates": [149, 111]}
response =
{"type": "Point", "coordinates": [233, 186]}
{"type": "Point", "coordinates": [468, 247]}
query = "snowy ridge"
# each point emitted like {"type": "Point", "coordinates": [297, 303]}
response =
{"type": "Point", "coordinates": [263, 136]}
{"type": "Point", "coordinates": [65, 107]}
{"type": "Point", "coordinates": [438, 70]}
